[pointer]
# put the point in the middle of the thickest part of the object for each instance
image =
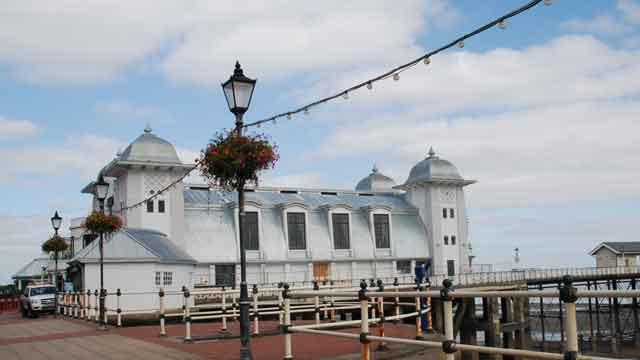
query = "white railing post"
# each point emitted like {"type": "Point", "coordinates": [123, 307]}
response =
{"type": "Point", "coordinates": [256, 328]}
{"type": "Point", "coordinates": [287, 323]}
{"type": "Point", "coordinates": [448, 345]}
{"type": "Point", "coordinates": [163, 330]}
{"type": "Point", "coordinates": [106, 308]}
{"type": "Point", "coordinates": [317, 302]}
{"type": "Point", "coordinates": [396, 286]}
{"type": "Point", "coordinates": [96, 312]}
{"type": "Point", "coordinates": [118, 309]}
{"type": "Point", "coordinates": [568, 296]}
{"type": "Point", "coordinates": [364, 324]}
{"type": "Point", "coordinates": [280, 305]}
{"type": "Point", "coordinates": [224, 309]}
{"type": "Point", "coordinates": [382, 346]}
{"type": "Point", "coordinates": [187, 317]}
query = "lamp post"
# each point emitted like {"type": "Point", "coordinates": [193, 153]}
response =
{"type": "Point", "coordinates": [100, 191]}
{"type": "Point", "coordinates": [56, 221]}
{"type": "Point", "coordinates": [238, 91]}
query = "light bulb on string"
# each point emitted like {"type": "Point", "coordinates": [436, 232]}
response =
{"type": "Point", "coordinates": [258, 125]}
{"type": "Point", "coordinates": [274, 121]}
{"type": "Point", "coordinates": [289, 116]}
{"type": "Point", "coordinates": [502, 24]}
{"type": "Point", "coordinates": [396, 76]}
{"type": "Point", "coordinates": [427, 61]}
{"type": "Point", "coordinates": [548, 2]}
{"type": "Point", "coordinates": [369, 85]}
{"type": "Point", "coordinates": [461, 44]}
{"type": "Point", "coordinates": [345, 95]}
{"type": "Point", "coordinates": [306, 111]}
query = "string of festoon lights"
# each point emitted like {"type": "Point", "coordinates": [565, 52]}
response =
{"type": "Point", "coordinates": [500, 22]}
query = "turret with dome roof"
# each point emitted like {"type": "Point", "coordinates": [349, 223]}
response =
{"type": "Point", "coordinates": [376, 181]}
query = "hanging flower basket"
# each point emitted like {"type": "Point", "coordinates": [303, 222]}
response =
{"type": "Point", "coordinates": [231, 160]}
{"type": "Point", "coordinates": [55, 244]}
{"type": "Point", "coordinates": [98, 223]}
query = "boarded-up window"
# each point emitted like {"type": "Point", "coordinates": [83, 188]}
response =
{"type": "Point", "coordinates": [381, 226]}
{"type": "Point", "coordinates": [296, 231]}
{"type": "Point", "coordinates": [250, 231]}
{"type": "Point", "coordinates": [341, 231]}
{"type": "Point", "coordinates": [404, 267]}
{"type": "Point", "coordinates": [226, 275]}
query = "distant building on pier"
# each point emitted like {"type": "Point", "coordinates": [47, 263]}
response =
{"type": "Point", "coordinates": [614, 254]}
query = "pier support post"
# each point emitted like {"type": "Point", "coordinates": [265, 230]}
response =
{"type": "Point", "coordinates": [468, 329]}
{"type": "Point", "coordinates": [506, 316]}
{"type": "Point", "coordinates": [492, 336]}
{"type": "Point", "coordinates": [382, 346]}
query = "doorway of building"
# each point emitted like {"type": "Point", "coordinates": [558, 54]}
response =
{"type": "Point", "coordinates": [321, 271]}
{"type": "Point", "coordinates": [451, 267]}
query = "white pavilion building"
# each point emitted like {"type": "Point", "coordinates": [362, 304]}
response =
{"type": "Point", "coordinates": [189, 234]}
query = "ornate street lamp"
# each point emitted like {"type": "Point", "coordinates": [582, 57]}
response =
{"type": "Point", "coordinates": [100, 190]}
{"type": "Point", "coordinates": [238, 91]}
{"type": "Point", "coordinates": [56, 221]}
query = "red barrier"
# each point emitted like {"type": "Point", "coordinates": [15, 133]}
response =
{"type": "Point", "coordinates": [9, 304]}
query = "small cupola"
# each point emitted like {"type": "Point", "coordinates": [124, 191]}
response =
{"type": "Point", "coordinates": [376, 181]}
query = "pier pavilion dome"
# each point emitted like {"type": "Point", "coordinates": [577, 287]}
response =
{"type": "Point", "coordinates": [376, 181]}
{"type": "Point", "coordinates": [434, 169]}
{"type": "Point", "coordinates": [150, 148]}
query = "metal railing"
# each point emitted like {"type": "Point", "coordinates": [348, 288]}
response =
{"type": "Point", "coordinates": [567, 293]}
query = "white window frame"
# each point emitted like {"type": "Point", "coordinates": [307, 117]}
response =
{"type": "Point", "coordinates": [165, 278]}
{"type": "Point", "coordinates": [158, 278]}
{"type": "Point", "coordinates": [250, 206]}
{"type": "Point", "coordinates": [296, 208]}
{"type": "Point", "coordinates": [381, 210]}
{"type": "Point", "coordinates": [340, 209]}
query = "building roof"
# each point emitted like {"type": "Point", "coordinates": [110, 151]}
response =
{"type": "Point", "coordinates": [141, 245]}
{"type": "Point", "coordinates": [434, 169]}
{"type": "Point", "coordinates": [376, 181]}
{"type": "Point", "coordinates": [311, 198]}
{"type": "Point", "coordinates": [619, 247]}
{"type": "Point", "coordinates": [34, 268]}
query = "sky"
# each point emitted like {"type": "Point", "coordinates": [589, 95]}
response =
{"type": "Point", "coordinates": [543, 114]}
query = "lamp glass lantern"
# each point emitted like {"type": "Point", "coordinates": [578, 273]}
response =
{"type": "Point", "coordinates": [56, 221]}
{"type": "Point", "coordinates": [238, 91]}
{"type": "Point", "coordinates": [101, 188]}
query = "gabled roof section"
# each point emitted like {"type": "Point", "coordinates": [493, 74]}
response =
{"type": "Point", "coordinates": [619, 247]}
{"type": "Point", "coordinates": [135, 245]}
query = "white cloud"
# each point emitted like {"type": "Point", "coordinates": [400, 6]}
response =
{"type": "Point", "coordinates": [80, 156]}
{"type": "Point", "coordinates": [553, 122]}
{"type": "Point", "coordinates": [566, 69]}
{"type": "Point", "coordinates": [16, 129]}
{"type": "Point", "coordinates": [198, 41]}
{"type": "Point", "coordinates": [606, 24]}
{"type": "Point", "coordinates": [631, 10]}
{"type": "Point", "coordinates": [127, 111]}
